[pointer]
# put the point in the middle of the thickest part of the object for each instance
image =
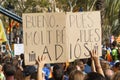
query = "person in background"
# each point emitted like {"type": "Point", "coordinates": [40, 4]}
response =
{"type": "Point", "coordinates": [94, 76]}
{"type": "Point", "coordinates": [97, 73]}
{"type": "Point", "coordinates": [2, 76]}
{"type": "Point", "coordinates": [119, 53]}
{"type": "Point", "coordinates": [80, 65]}
{"type": "Point", "coordinates": [114, 51]}
{"type": "Point", "coordinates": [116, 67]}
{"type": "Point", "coordinates": [116, 76]}
{"type": "Point", "coordinates": [69, 69]}
{"type": "Point", "coordinates": [76, 75]}
{"type": "Point", "coordinates": [58, 72]}
{"type": "Point", "coordinates": [46, 70]}
{"type": "Point", "coordinates": [108, 74]}
{"type": "Point", "coordinates": [41, 63]}
{"type": "Point", "coordinates": [9, 70]}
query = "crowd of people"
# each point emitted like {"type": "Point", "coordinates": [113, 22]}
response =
{"type": "Point", "coordinates": [106, 67]}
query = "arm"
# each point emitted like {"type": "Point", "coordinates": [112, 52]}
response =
{"type": "Point", "coordinates": [92, 62]}
{"type": "Point", "coordinates": [41, 63]}
{"type": "Point", "coordinates": [97, 62]}
{"type": "Point", "coordinates": [93, 65]}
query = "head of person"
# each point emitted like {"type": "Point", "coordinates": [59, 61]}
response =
{"type": "Point", "coordinates": [114, 44]}
{"type": "Point", "coordinates": [22, 56]}
{"type": "Point", "coordinates": [9, 69]}
{"type": "Point", "coordinates": [104, 64]}
{"type": "Point", "coordinates": [108, 74]}
{"type": "Point", "coordinates": [76, 75]}
{"type": "Point", "coordinates": [70, 68]}
{"type": "Point", "coordinates": [116, 67]}
{"type": "Point", "coordinates": [116, 76]}
{"type": "Point", "coordinates": [58, 72]}
{"type": "Point", "coordinates": [94, 76]}
{"type": "Point", "coordinates": [80, 64]}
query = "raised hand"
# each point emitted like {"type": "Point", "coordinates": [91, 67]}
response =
{"type": "Point", "coordinates": [40, 61]}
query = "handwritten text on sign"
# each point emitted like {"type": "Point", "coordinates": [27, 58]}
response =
{"type": "Point", "coordinates": [84, 34]}
{"type": "Point", "coordinates": [61, 37]}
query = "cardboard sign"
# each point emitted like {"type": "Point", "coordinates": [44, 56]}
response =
{"type": "Point", "coordinates": [84, 34]}
{"type": "Point", "coordinates": [61, 37]}
{"type": "Point", "coordinates": [18, 49]}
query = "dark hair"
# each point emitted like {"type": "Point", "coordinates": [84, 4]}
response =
{"type": "Point", "coordinates": [9, 69]}
{"type": "Point", "coordinates": [114, 43]}
{"type": "Point", "coordinates": [116, 76]}
{"type": "Point", "coordinates": [94, 76]}
{"type": "Point", "coordinates": [108, 74]}
{"type": "Point", "coordinates": [57, 72]}
{"type": "Point", "coordinates": [22, 56]}
{"type": "Point", "coordinates": [34, 76]}
{"type": "Point", "coordinates": [70, 68]}
{"type": "Point", "coordinates": [76, 75]}
{"type": "Point", "coordinates": [117, 65]}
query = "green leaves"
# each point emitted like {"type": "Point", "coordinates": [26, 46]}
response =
{"type": "Point", "coordinates": [111, 16]}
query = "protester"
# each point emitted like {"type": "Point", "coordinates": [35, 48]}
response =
{"type": "Point", "coordinates": [70, 68]}
{"type": "Point", "coordinates": [76, 75]}
{"type": "Point", "coordinates": [58, 72]}
{"type": "Point", "coordinates": [108, 74]}
{"type": "Point", "coordinates": [94, 76]}
{"type": "Point", "coordinates": [116, 76]}
{"type": "Point", "coordinates": [114, 51]}
{"type": "Point", "coordinates": [96, 66]}
{"type": "Point", "coordinates": [46, 70]}
{"type": "Point", "coordinates": [80, 65]}
{"type": "Point", "coordinates": [116, 67]}
{"type": "Point", "coordinates": [9, 70]}
{"type": "Point", "coordinates": [101, 69]}
{"type": "Point", "coordinates": [97, 73]}
{"type": "Point", "coordinates": [41, 63]}
{"type": "Point", "coordinates": [2, 76]}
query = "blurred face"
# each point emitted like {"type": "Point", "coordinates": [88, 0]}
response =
{"type": "Point", "coordinates": [109, 73]}
{"type": "Point", "coordinates": [115, 69]}
{"type": "Point", "coordinates": [81, 65]}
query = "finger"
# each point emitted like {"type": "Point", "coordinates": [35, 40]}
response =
{"type": "Point", "coordinates": [39, 58]}
{"type": "Point", "coordinates": [44, 58]}
{"type": "Point", "coordinates": [92, 52]}
{"type": "Point", "coordinates": [95, 51]}
{"type": "Point", "coordinates": [36, 61]}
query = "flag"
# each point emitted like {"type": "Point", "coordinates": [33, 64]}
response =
{"type": "Point", "coordinates": [2, 33]}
